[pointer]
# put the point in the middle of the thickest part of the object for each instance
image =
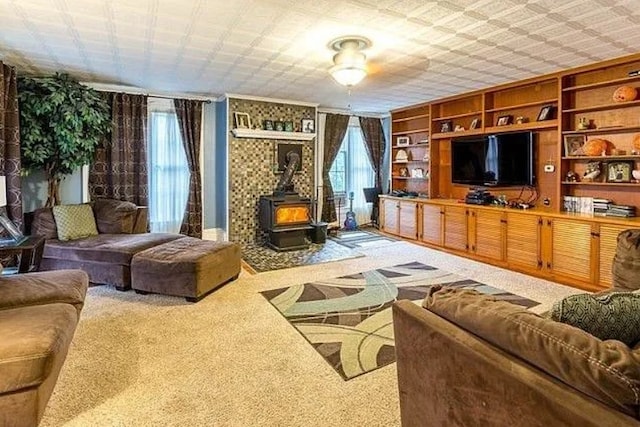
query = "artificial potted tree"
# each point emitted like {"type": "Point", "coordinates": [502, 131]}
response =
{"type": "Point", "coordinates": [61, 124]}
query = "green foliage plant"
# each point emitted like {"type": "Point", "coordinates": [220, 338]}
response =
{"type": "Point", "coordinates": [62, 122]}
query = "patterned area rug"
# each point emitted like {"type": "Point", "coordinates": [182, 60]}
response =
{"type": "Point", "coordinates": [362, 239]}
{"type": "Point", "coordinates": [261, 258]}
{"type": "Point", "coordinates": [348, 319]}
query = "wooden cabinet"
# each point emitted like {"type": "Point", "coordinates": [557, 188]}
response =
{"type": "Point", "coordinates": [568, 251]}
{"type": "Point", "coordinates": [430, 218]}
{"type": "Point", "coordinates": [455, 228]}
{"type": "Point", "coordinates": [477, 231]}
{"type": "Point", "coordinates": [400, 217]}
{"type": "Point", "coordinates": [487, 233]}
{"type": "Point", "coordinates": [410, 150]}
{"type": "Point", "coordinates": [607, 242]}
{"type": "Point", "coordinates": [523, 248]}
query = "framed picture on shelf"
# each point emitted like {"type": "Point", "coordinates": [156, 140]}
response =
{"type": "Point", "coordinates": [308, 126]}
{"type": "Point", "coordinates": [504, 120]}
{"type": "Point", "coordinates": [573, 145]}
{"type": "Point", "coordinates": [267, 124]}
{"type": "Point", "coordinates": [243, 120]}
{"type": "Point", "coordinates": [402, 140]}
{"type": "Point", "coordinates": [288, 126]}
{"type": "Point", "coordinates": [446, 126]}
{"type": "Point", "coordinates": [546, 113]}
{"type": "Point", "coordinates": [475, 123]}
{"type": "Point", "coordinates": [404, 172]}
{"type": "Point", "coordinates": [619, 171]}
{"type": "Point", "coordinates": [417, 173]}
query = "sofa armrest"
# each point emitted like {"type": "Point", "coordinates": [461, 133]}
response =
{"type": "Point", "coordinates": [448, 376]}
{"type": "Point", "coordinates": [141, 223]}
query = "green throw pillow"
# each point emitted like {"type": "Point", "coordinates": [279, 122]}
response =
{"type": "Point", "coordinates": [74, 221]}
{"type": "Point", "coordinates": [611, 316]}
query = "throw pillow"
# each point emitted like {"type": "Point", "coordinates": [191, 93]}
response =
{"type": "Point", "coordinates": [610, 316]}
{"type": "Point", "coordinates": [74, 221]}
{"type": "Point", "coordinates": [44, 224]}
{"type": "Point", "coordinates": [114, 216]}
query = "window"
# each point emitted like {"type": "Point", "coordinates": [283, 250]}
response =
{"type": "Point", "coordinates": [168, 169]}
{"type": "Point", "coordinates": [352, 172]}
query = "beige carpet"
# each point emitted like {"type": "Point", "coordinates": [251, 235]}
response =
{"type": "Point", "coordinates": [232, 359]}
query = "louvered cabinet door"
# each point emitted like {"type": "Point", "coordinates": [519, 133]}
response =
{"type": "Point", "coordinates": [570, 249]}
{"type": "Point", "coordinates": [523, 241]}
{"type": "Point", "coordinates": [607, 243]}
{"type": "Point", "coordinates": [489, 234]}
{"type": "Point", "coordinates": [390, 219]}
{"type": "Point", "coordinates": [431, 224]}
{"type": "Point", "coordinates": [455, 227]}
{"type": "Point", "coordinates": [408, 220]}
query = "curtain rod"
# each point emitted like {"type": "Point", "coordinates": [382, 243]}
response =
{"type": "Point", "coordinates": [206, 101]}
{"type": "Point", "coordinates": [105, 87]}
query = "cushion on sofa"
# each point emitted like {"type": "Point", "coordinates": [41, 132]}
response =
{"type": "Point", "coordinates": [106, 248]}
{"type": "Point", "coordinates": [34, 339]}
{"type": "Point", "coordinates": [609, 316]}
{"type": "Point", "coordinates": [74, 221]}
{"type": "Point", "coordinates": [62, 286]}
{"type": "Point", "coordinates": [608, 371]}
{"type": "Point", "coordinates": [114, 216]}
{"type": "Point", "coordinates": [44, 224]}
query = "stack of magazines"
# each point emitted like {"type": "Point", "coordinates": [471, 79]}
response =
{"type": "Point", "coordinates": [624, 211]}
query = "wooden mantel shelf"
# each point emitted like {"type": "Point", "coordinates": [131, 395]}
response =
{"type": "Point", "coordinates": [272, 134]}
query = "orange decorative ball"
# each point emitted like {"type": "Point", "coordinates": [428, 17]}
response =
{"type": "Point", "coordinates": [625, 94]}
{"type": "Point", "coordinates": [596, 147]}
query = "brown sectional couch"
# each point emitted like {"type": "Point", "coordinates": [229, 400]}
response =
{"type": "Point", "coordinates": [467, 360]}
{"type": "Point", "coordinates": [38, 317]}
{"type": "Point", "coordinates": [106, 258]}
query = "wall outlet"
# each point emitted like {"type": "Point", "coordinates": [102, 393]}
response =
{"type": "Point", "coordinates": [549, 168]}
{"type": "Point", "coordinates": [546, 201]}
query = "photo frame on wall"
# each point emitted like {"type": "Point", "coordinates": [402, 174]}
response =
{"type": "Point", "coordinates": [243, 120]}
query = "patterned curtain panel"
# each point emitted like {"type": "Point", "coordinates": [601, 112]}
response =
{"type": "Point", "coordinates": [120, 167]}
{"type": "Point", "coordinates": [189, 114]}
{"type": "Point", "coordinates": [335, 130]}
{"type": "Point", "coordinates": [10, 142]}
{"type": "Point", "coordinates": [374, 142]}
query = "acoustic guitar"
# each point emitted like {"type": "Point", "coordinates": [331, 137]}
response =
{"type": "Point", "coordinates": [350, 222]}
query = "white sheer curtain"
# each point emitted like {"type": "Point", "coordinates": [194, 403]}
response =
{"type": "Point", "coordinates": [359, 174]}
{"type": "Point", "coordinates": [168, 169]}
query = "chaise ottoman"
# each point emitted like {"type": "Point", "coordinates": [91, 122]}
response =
{"type": "Point", "coordinates": [187, 267]}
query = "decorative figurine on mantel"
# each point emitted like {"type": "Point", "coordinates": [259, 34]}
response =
{"type": "Point", "coordinates": [571, 177]}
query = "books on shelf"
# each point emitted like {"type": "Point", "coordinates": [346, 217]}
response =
{"type": "Point", "coordinates": [597, 206]}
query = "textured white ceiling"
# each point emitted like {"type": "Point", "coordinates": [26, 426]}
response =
{"type": "Point", "coordinates": [422, 50]}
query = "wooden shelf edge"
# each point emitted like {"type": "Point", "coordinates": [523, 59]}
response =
{"type": "Point", "coordinates": [612, 106]}
{"type": "Point", "coordinates": [456, 116]}
{"type": "Point", "coordinates": [546, 124]}
{"type": "Point", "coordinates": [603, 184]}
{"type": "Point", "coordinates": [406, 119]}
{"type": "Point", "coordinates": [443, 135]}
{"type": "Point", "coordinates": [612, 129]}
{"type": "Point", "coordinates": [272, 134]}
{"type": "Point", "coordinates": [603, 158]}
{"type": "Point", "coordinates": [601, 84]}
{"type": "Point", "coordinates": [553, 101]}
{"type": "Point", "coordinates": [407, 132]}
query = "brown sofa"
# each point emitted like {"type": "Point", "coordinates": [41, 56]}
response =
{"type": "Point", "coordinates": [468, 360]}
{"type": "Point", "coordinates": [38, 317]}
{"type": "Point", "coordinates": [106, 258]}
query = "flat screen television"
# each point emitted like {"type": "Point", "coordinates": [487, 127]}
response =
{"type": "Point", "coordinates": [493, 160]}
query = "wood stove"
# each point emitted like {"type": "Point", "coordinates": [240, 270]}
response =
{"type": "Point", "coordinates": [287, 220]}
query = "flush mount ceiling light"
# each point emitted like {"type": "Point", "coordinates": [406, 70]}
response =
{"type": "Point", "coordinates": [350, 67]}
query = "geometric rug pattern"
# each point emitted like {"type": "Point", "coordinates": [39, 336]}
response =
{"type": "Point", "coordinates": [362, 239]}
{"type": "Point", "coordinates": [348, 319]}
{"type": "Point", "coordinates": [260, 258]}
